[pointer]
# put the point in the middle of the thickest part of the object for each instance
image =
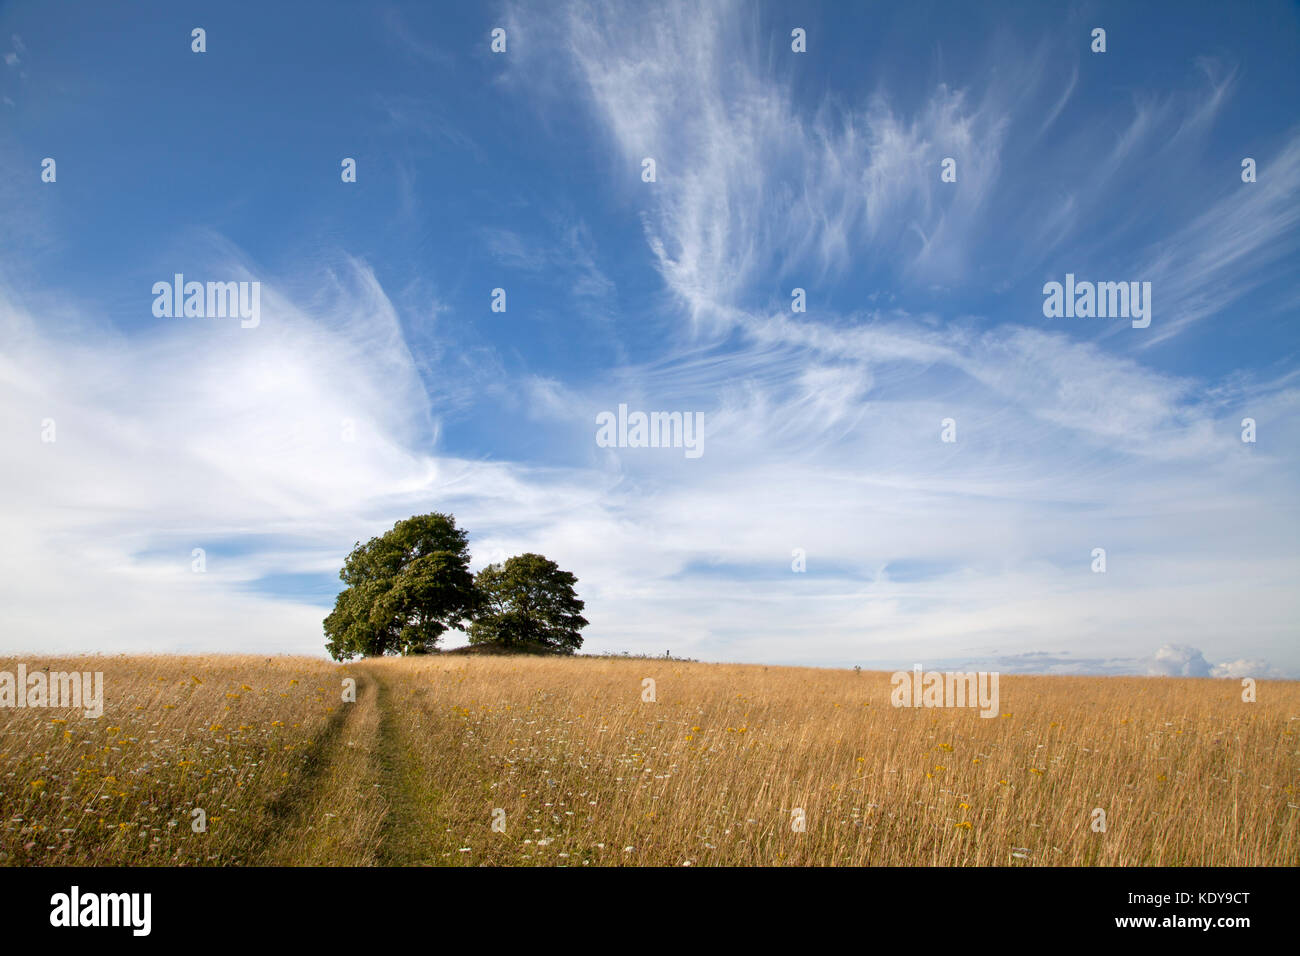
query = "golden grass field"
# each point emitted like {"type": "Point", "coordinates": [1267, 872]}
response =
{"type": "Point", "coordinates": [588, 774]}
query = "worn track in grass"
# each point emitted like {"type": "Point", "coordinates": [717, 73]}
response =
{"type": "Point", "coordinates": [365, 799]}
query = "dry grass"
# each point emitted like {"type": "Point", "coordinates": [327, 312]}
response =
{"type": "Point", "coordinates": [230, 735]}
{"type": "Point", "coordinates": [711, 773]}
{"type": "Point", "coordinates": [589, 774]}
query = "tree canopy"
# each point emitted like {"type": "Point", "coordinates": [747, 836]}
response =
{"type": "Point", "coordinates": [405, 588]}
{"type": "Point", "coordinates": [408, 586]}
{"type": "Point", "coordinates": [528, 600]}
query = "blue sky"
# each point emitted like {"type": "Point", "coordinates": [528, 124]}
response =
{"type": "Point", "coordinates": [775, 170]}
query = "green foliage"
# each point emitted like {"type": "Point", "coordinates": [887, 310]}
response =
{"type": "Point", "coordinates": [405, 588]}
{"type": "Point", "coordinates": [528, 600]}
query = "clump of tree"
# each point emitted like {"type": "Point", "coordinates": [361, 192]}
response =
{"type": "Point", "coordinates": [405, 588]}
{"type": "Point", "coordinates": [528, 600]}
{"type": "Point", "coordinates": [410, 585]}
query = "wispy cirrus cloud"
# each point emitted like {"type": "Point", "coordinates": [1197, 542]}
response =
{"type": "Point", "coordinates": [1247, 237]}
{"type": "Point", "coordinates": [822, 428]}
{"type": "Point", "coordinates": [829, 445]}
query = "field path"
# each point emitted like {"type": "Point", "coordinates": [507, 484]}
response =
{"type": "Point", "coordinates": [414, 830]}
{"type": "Point", "coordinates": [366, 798]}
{"type": "Point", "coordinates": [333, 815]}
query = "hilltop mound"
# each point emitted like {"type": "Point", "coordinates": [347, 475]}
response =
{"type": "Point", "coordinates": [495, 649]}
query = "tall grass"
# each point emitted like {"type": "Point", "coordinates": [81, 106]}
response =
{"type": "Point", "coordinates": [720, 769]}
{"type": "Point", "coordinates": [714, 771]}
{"type": "Point", "coordinates": [225, 735]}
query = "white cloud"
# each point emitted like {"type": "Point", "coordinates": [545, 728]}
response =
{"type": "Point", "coordinates": [1244, 668]}
{"type": "Point", "coordinates": [1181, 660]}
{"type": "Point", "coordinates": [1178, 660]}
{"type": "Point", "coordinates": [190, 433]}
{"type": "Point", "coordinates": [193, 433]}
{"type": "Point", "coordinates": [749, 184]}
{"type": "Point", "coordinates": [1232, 247]}
{"type": "Point", "coordinates": [822, 429]}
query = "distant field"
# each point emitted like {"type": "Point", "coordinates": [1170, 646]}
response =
{"type": "Point", "coordinates": [578, 770]}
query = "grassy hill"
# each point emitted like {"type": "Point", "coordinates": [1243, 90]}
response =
{"type": "Point", "coordinates": [578, 769]}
